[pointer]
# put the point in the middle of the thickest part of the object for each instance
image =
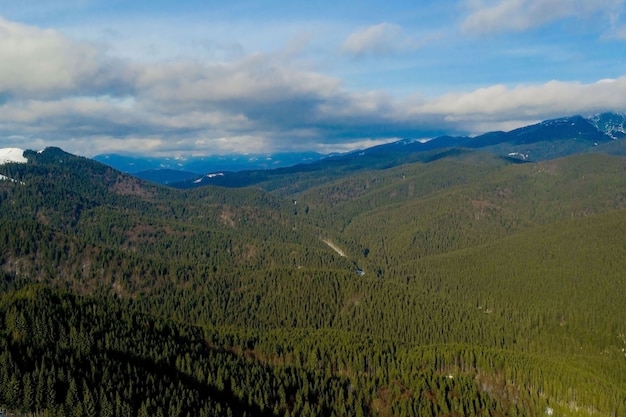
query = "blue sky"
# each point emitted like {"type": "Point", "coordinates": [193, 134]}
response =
{"type": "Point", "coordinates": [208, 77]}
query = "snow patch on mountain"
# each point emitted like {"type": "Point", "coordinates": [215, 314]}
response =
{"type": "Point", "coordinates": [5, 178]}
{"type": "Point", "coordinates": [217, 174]}
{"type": "Point", "coordinates": [612, 124]}
{"type": "Point", "coordinates": [561, 121]}
{"type": "Point", "coordinates": [518, 154]}
{"type": "Point", "coordinates": [9, 155]}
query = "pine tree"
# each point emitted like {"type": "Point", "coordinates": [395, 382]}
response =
{"type": "Point", "coordinates": [89, 404]}
{"type": "Point", "coordinates": [28, 397]}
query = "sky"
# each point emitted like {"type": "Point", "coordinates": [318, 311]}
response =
{"type": "Point", "coordinates": [194, 77]}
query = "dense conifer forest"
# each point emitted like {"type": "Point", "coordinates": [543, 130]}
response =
{"type": "Point", "coordinates": [462, 285]}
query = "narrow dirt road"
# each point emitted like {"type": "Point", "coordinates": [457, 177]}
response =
{"type": "Point", "coordinates": [334, 247]}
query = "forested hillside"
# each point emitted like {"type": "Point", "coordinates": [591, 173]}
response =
{"type": "Point", "coordinates": [460, 285]}
{"type": "Point", "coordinates": [393, 216]}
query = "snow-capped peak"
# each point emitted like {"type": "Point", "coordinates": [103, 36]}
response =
{"type": "Point", "coordinates": [8, 155]}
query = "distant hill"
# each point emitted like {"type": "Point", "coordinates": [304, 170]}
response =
{"type": "Point", "coordinates": [166, 176]}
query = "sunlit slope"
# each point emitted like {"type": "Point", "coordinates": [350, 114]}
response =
{"type": "Point", "coordinates": [384, 218]}
{"type": "Point", "coordinates": [550, 290]}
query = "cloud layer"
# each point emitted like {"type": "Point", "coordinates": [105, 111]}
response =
{"type": "Point", "coordinates": [56, 90]}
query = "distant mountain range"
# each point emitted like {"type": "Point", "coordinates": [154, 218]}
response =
{"type": "Point", "coordinates": [546, 140]}
{"type": "Point", "coordinates": [147, 167]}
{"type": "Point", "coordinates": [549, 139]}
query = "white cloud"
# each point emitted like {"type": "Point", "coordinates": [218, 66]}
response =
{"type": "Point", "coordinates": [501, 105]}
{"type": "Point", "coordinates": [99, 144]}
{"type": "Point", "coordinates": [253, 143]}
{"type": "Point", "coordinates": [258, 77]}
{"type": "Point", "coordinates": [362, 143]}
{"type": "Point", "coordinates": [39, 62]}
{"type": "Point", "coordinates": [381, 39]}
{"type": "Point", "coordinates": [518, 15]}
{"type": "Point", "coordinates": [377, 39]}
{"type": "Point", "coordinates": [33, 59]}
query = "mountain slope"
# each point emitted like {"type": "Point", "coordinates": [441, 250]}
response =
{"type": "Point", "coordinates": [98, 221]}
